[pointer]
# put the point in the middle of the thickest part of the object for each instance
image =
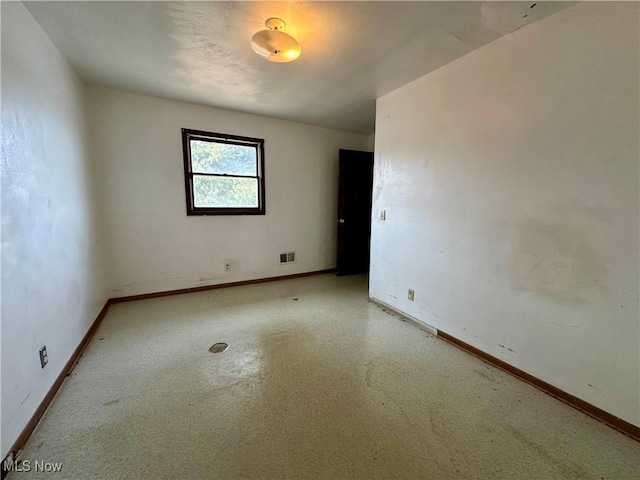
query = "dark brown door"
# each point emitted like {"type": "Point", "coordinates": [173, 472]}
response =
{"type": "Point", "coordinates": [354, 211]}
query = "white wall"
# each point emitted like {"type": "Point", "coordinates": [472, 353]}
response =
{"type": "Point", "coordinates": [156, 247]}
{"type": "Point", "coordinates": [510, 181]}
{"type": "Point", "coordinates": [53, 273]}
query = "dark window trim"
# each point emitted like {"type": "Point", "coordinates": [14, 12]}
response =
{"type": "Point", "coordinates": [258, 143]}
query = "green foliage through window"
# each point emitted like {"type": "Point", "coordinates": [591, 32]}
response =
{"type": "Point", "coordinates": [225, 192]}
{"type": "Point", "coordinates": [210, 157]}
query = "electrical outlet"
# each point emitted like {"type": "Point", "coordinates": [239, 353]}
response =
{"type": "Point", "coordinates": [227, 266]}
{"type": "Point", "coordinates": [411, 295]}
{"type": "Point", "coordinates": [383, 215]}
{"type": "Point", "coordinates": [44, 359]}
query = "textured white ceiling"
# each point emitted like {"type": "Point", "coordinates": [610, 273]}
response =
{"type": "Point", "coordinates": [352, 52]}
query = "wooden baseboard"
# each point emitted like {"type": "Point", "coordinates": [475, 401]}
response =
{"type": "Point", "coordinates": [75, 357]}
{"type": "Point", "coordinates": [203, 288]}
{"type": "Point", "coordinates": [591, 410]}
{"type": "Point", "coordinates": [66, 371]}
{"type": "Point", "coordinates": [571, 400]}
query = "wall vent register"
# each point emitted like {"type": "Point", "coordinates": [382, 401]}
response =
{"type": "Point", "coordinates": [288, 257]}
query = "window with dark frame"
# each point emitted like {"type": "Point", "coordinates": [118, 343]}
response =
{"type": "Point", "coordinates": [223, 174]}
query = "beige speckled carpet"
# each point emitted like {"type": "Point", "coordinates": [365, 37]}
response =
{"type": "Point", "coordinates": [326, 386]}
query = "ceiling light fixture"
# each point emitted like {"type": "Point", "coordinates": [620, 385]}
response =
{"type": "Point", "coordinates": [275, 45]}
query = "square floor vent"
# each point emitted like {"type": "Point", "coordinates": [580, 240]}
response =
{"type": "Point", "coordinates": [288, 257]}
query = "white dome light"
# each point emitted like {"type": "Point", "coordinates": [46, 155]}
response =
{"type": "Point", "coordinates": [275, 45]}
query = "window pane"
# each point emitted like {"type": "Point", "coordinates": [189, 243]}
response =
{"type": "Point", "coordinates": [210, 157]}
{"type": "Point", "coordinates": [225, 192]}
